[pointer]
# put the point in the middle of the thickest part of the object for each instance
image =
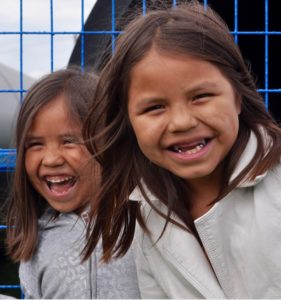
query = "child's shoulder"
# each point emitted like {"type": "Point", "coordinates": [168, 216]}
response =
{"type": "Point", "coordinates": [60, 230]}
{"type": "Point", "coordinates": [275, 174]}
{"type": "Point", "coordinates": [53, 219]}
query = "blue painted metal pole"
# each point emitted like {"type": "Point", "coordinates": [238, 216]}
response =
{"type": "Point", "coordinates": [235, 21]}
{"type": "Point", "coordinates": [21, 51]}
{"type": "Point", "coordinates": [52, 35]}
{"type": "Point", "coordinates": [113, 37]}
{"type": "Point", "coordinates": [7, 159]}
{"type": "Point", "coordinates": [266, 54]}
{"type": "Point", "coordinates": [82, 64]}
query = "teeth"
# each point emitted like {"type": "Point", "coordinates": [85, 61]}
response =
{"type": "Point", "coordinates": [177, 149]}
{"type": "Point", "coordinates": [59, 179]}
{"type": "Point", "coordinates": [194, 150]}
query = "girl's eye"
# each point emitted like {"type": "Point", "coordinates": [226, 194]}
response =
{"type": "Point", "coordinates": [72, 140]}
{"type": "Point", "coordinates": [68, 141]}
{"type": "Point", "coordinates": [154, 108]}
{"type": "Point", "coordinates": [33, 145]}
{"type": "Point", "coordinates": [201, 96]}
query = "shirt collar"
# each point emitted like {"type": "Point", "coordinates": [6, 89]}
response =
{"type": "Point", "coordinates": [245, 159]}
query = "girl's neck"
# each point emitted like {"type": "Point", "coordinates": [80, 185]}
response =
{"type": "Point", "coordinates": [83, 208]}
{"type": "Point", "coordinates": [202, 192]}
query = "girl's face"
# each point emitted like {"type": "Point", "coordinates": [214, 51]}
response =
{"type": "Point", "coordinates": [184, 113]}
{"type": "Point", "coordinates": [56, 161]}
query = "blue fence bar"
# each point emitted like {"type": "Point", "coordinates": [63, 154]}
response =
{"type": "Point", "coordinates": [82, 36]}
{"type": "Point", "coordinates": [21, 50]}
{"type": "Point", "coordinates": [116, 32]}
{"type": "Point", "coordinates": [113, 36]}
{"type": "Point", "coordinates": [266, 53]}
{"type": "Point", "coordinates": [9, 286]}
{"type": "Point", "coordinates": [235, 32]}
{"type": "Point", "coordinates": [7, 159]}
{"type": "Point", "coordinates": [52, 35]}
{"type": "Point", "coordinates": [144, 7]}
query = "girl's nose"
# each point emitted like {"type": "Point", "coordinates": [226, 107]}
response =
{"type": "Point", "coordinates": [182, 119]}
{"type": "Point", "coordinates": [52, 158]}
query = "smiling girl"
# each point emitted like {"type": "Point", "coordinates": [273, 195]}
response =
{"type": "Point", "coordinates": [54, 179]}
{"type": "Point", "coordinates": [189, 150]}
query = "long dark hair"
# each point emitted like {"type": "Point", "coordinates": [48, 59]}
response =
{"type": "Point", "coordinates": [187, 29]}
{"type": "Point", "coordinates": [25, 204]}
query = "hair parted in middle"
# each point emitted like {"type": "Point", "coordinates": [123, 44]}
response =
{"type": "Point", "coordinates": [188, 29]}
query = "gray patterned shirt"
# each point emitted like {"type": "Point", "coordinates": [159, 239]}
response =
{"type": "Point", "coordinates": [56, 271]}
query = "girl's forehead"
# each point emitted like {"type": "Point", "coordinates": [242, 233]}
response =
{"type": "Point", "coordinates": [56, 112]}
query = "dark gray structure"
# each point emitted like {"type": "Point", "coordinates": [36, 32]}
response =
{"type": "Point", "coordinates": [254, 21]}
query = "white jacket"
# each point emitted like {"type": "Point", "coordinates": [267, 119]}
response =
{"type": "Point", "coordinates": [241, 235]}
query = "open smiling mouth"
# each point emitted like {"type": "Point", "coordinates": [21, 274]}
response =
{"type": "Point", "coordinates": [190, 148]}
{"type": "Point", "coordinates": [60, 184]}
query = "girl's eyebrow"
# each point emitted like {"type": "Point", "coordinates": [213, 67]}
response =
{"type": "Point", "coordinates": [203, 85]}
{"type": "Point", "coordinates": [197, 87]}
{"type": "Point", "coordinates": [64, 135]}
{"type": "Point", "coordinates": [75, 136]}
{"type": "Point", "coordinates": [30, 137]}
{"type": "Point", "coordinates": [71, 134]}
{"type": "Point", "coordinates": [146, 101]}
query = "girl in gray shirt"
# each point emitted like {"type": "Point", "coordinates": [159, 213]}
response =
{"type": "Point", "coordinates": [56, 271]}
{"type": "Point", "coordinates": [54, 180]}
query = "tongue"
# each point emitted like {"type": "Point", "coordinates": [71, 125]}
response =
{"type": "Point", "coordinates": [184, 149]}
{"type": "Point", "coordinates": [189, 147]}
{"type": "Point", "coordinates": [61, 188]}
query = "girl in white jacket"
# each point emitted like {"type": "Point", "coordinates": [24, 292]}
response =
{"type": "Point", "coordinates": [186, 136]}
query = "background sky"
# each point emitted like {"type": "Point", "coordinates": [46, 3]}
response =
{"type": "Point", "coordinates": [36, 48]}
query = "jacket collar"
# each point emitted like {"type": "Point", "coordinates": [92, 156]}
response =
{"type": "Point", "coordinates": [245, 158]}
{"type": "Point", "coordinates": [136, 194]}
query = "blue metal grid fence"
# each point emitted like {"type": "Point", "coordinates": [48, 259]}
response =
{"type": "Point", "coordinates": [7, 156]}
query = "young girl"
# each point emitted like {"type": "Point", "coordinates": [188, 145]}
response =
{"type": "Point", "coordinates": [186, 137]}
{"type": "Point", "coordinates": [54, 179]}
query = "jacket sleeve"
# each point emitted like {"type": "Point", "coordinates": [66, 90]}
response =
{"type": "Point", "coordinates": [29, 280]}
{"type": "Point", "coordinates": [149, 286]}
